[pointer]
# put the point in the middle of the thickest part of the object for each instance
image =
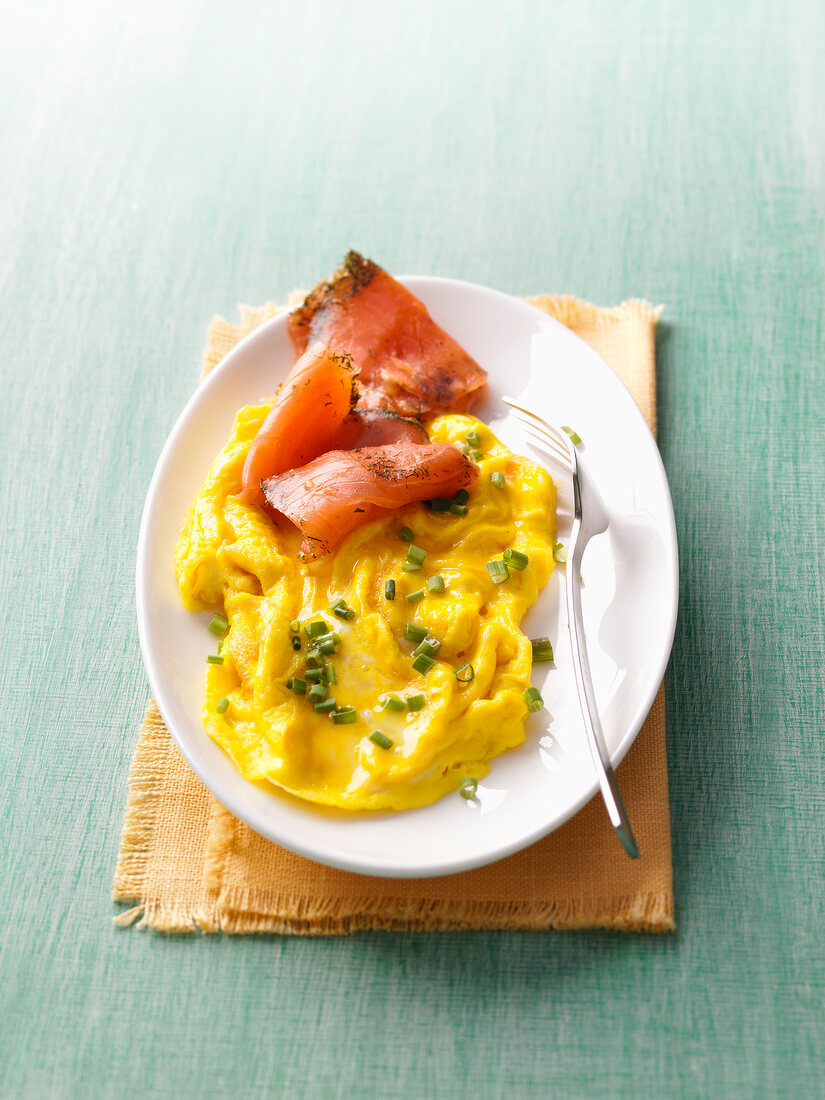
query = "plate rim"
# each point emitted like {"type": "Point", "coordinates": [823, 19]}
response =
{"type": "Point", "coordinates": [354, 863]}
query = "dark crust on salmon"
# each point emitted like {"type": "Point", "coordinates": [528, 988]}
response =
{"type": "Point", "coordinates": [348, 280]}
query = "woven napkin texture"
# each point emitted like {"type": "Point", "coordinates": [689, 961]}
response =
{"type": "Point", "coordinates": [186, 863]}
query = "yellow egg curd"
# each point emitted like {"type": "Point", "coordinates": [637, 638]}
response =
{"type": "Point", "coordinates": [233, 559]}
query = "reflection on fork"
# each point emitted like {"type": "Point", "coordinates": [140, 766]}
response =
{"type": "Point", "coordinates": [589, 518]}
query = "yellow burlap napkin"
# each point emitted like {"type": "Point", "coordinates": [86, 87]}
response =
{"type": "Point", "coordinates": [186, 863]}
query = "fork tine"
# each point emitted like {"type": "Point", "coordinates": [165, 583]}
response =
{"type": "Point", "coordinates": [538, 428]}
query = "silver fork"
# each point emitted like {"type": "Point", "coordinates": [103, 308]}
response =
{"type": "Point", "coordinates": [589, 519]}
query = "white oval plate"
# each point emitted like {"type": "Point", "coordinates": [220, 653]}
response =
{"type": "Point", "coordinates": [630, 595]}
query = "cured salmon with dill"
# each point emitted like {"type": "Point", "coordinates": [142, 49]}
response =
{"type": "Point", "coordinates": [309, 412]}
{"type": "Point", "coordinates": [406, 361]}
{"type": "Point", "coordinates": [334, 494]}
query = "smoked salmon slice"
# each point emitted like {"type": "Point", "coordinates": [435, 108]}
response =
{"type": "Point", "coordinates": [407, 362]}
{"type": "Point", "coordinates": [311, 407]}
{"type": "Point", "coordinates": [376, 427]}
{"type": "Point", "coordinates": [339, 491]}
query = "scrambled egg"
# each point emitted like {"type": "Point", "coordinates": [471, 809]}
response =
{"type": "Point", "coordinates": [233, 559]}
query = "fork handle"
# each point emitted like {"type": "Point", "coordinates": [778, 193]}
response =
{"type": "Point", "coordinates": [590, 714]}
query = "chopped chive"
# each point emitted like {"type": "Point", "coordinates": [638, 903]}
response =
{"type": "Point", "coordinates": [439, 504]}
{"type": "Point", "coordinates": [515, 559]}
{"type": "Point", "coordinates": [415, 633]}
{"type": "Point", "coordinates": [380, 739]}
{"type": "Point", "coordinates": [218, 624]}
{"type": "Point", "coordinates": [423, 664]}
{"type": "Point", "coordinates": [406, 534]}
{"type": "Point", "coordinates": [533, 699]}
{"type": "Point", "coordinates": [411, 566]}
{"type": "Point", "coordinates": [296, 642]}
{"type": "Point", "coordinates": [415, 553]}
{"type": "Point", "coordinates": [295, 626]}
{"type": "Point", "coordinates": [315, 629]}
{"type": "Point", "coordinates": [498, 571]}
{"type": "Point", "coordinates": [476, 456]}
{"type": "Point", "coordinates": [389, 590]}
{"type": "Point", "coordinates": [296, 684]}
{"type": "Point", "coordinates": [459, 509]}
{"type": "Point", "coordinates": [329, 673]}
{"type": "Point", "coordinates": [575, 438]}
{"type": "Point", "coordinates": [498, 479]}
{"type": "Point", "coordinates": [542, 650]}
{"type": "Point", "coordinates": [468, 788]}
{"type": "Point", "coordinates": [345, 716]}
{"type": "Point", "coordinates": [222, 705]}
{"type": "Point", "coordinates": [560, 552]}
{"type": "Point", "coordinates": [340, 609]}
{"type": "Point", "coordinates": [414, 597]}
{"type": "Point", "coordinates": [428, 645]}
{"type": "Point", "coordinates": [461, 497]}
{"type": "Point", "coordinates": [392, 702]}
{"type": "Point", "coordinates": [415, 702]}
{"type": "Point", "coordinates": [327, 647]}
{"type": "Point", "coordinates": [473, 438]}
{"type": "Point", "coordinates": [465, 674]}
{"type": "Point", "coordinates": [314, 675]}
{"type": "Point", "coordinates": [314, 659]}
{"type": "Point", "coordinates": [318, 692]}
{"type": "Point", "coordinates": [326, 706]}
{"type": "Point", "coordinates": [436, 583]}
{"type": "Point", "coordinates": [214, 659]}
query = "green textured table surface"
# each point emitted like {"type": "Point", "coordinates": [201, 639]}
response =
{"type": "Point", "coordinates": [160, 165]}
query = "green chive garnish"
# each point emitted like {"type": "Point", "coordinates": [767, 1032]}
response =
{"type": "Point", "coordinates": [222, 705]}
{"type": "Point", "coordinates": [392, 702]}
{"type": "Point", "coordinates": [219, 624]}
{"type": "Point", "coordinates": [439, 504]}
{"type": "Point", "coordinates": [329, 673]}
{"type": "Point", "coordinates": [415, 553]}
{"type": "Point", "coordinates": [461, 497]}
{"type": "Point", "coordinates": [436, 583]}
{"type": "Point", "coordinates": [389, 590]}
{"type": "Point", "coordinates": [344, 717]}
{"type": "Point", "coordinates": [473, 438]}
{"type": "Point", "coordinates": [560, 552]}
{"type": "Point", "coordinates": [423, 664]}
{"type": "Point", "coordinates": [465, 674]}
{"type": "Point", "coordinates": [214, 659]}
{"type": "Point", "coordinates": [380, 739]}
{"type": "Point", "coordinates": [327, 706]}
{"type": "Point", "coordinates": [542, 650]}
{"type": "Point", "coordinates": [318, 692]}
{"type": "Point", "coordinates": [575, 438]}
{"type": "Point", "coordinates": [498, 571]}
{"type": "Point", "coordinates": [411, 566]}
{"type": "Point", "coordinates": [295, 626]}
{"type": "Point", "coordinates": [314, 675]}
{"type": "Point", "coordinates": [415, 633]}
{"type": "Point", "coordinates": [406, 534]}
{"type": "Point", "coordinates": [498, 479]}
{"type": "Point", "coordinates": [428, 645]}
{"type": "Point", "coordinates": [476, 456]}
{"type": "Point", "coordinates": [459, 509]}
{"type": "Point", "coordinates": [316, 629]}
{"type": "Point", "coordinates": [415, 702]}
{"type": "Point", "coordinates": [296, 642]}
{"type": "Point", "coordinates": [515, 559]}
{"type": "Point", "coordinates": [533, 699]}
{"type": "Point", "coordinates": [468, 788]}
{"type": "Point", "coordinates": [296, 684]}
{"type": "Point", "coordinates": [413, 597]}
